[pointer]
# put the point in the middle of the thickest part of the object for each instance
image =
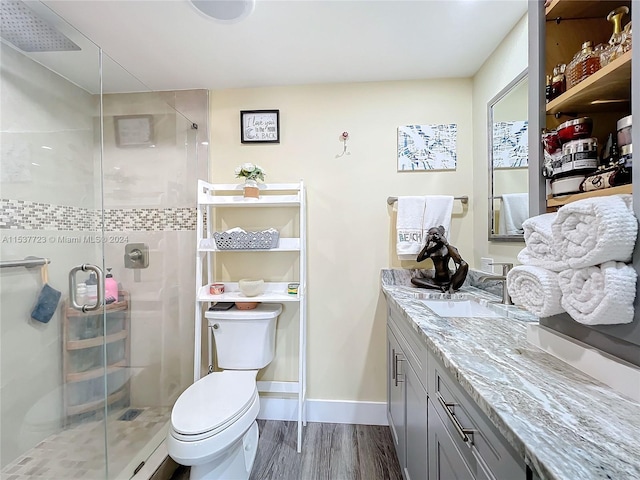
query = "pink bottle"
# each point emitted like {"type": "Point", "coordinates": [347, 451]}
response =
{"type": "Point", "coordinates": [110, 288]}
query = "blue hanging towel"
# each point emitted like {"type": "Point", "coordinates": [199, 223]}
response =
{"type": "Point", "coordinates": [47, 300]}
{"type": "Point", "coordinates": [46, 304]}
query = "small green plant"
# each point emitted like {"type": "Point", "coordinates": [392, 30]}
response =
{"type": "Point", "coordinates": [250, 172]}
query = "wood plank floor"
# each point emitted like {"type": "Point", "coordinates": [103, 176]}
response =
{"type": "Point", "coordinates": [330, 451]}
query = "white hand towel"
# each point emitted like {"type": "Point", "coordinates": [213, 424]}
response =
{"type": "Point", "coordinates": [535, 289]}
{"type": "Point", "coordinates": [599, 295]}
{"type": "Point", "coordinates": [409, 220]}
{"type": "Point", "coordinates": [438, 209]}
{"type": "Point", "coordinates": [595, 230]}
{"type": "Point", "coordinates": [515, 210]}
{"type": "Point", "coordinates": [541, 250]}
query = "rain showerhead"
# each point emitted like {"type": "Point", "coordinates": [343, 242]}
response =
{"type": "Point", "coordinates": [24, 29]}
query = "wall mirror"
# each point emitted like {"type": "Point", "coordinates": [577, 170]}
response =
{"type": "Point", "coordinates": [507, 128]}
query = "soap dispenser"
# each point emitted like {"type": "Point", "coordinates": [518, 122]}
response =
{"type": "Point", "coordinates": [110, 288]}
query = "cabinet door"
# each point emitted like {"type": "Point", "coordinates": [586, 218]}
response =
{"type": "Point", "coordinates": [445, 460]}
{"type": "Point", "coordinates": [396, 396]}
{"type": "Point", "coordinates": [416, 426]}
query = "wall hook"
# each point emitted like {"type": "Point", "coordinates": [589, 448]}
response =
{"type": "Point", "coordinates": [344, 136]}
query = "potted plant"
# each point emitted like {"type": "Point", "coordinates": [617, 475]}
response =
{"type": "Point", "coordinates": [252, 174]}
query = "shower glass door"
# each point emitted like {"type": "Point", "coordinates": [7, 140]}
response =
{"type": "Point", "coordinates": [90, 175]}
{"type": "Point", "coordinates": [150, 170]}
{"type": "Point", "coordinates": [51, 354]}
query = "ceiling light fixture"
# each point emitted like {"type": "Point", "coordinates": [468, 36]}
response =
{"type": "Point", "coordinates": [225, 11]}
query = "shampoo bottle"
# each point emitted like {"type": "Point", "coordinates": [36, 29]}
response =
{"type": "Point", "coordinates": [110, 288]}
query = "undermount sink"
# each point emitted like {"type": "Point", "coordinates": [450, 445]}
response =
{"type": "Point", "coordinates": [459, 308]}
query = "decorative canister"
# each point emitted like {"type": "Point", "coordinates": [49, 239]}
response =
{"type": "Point", "coordinates": [580, 156]}
{"type": "Point", "coordinates": [566, 185]}
{"type": "Point", "coordinates": [556, 166]}
{"type": "Point", "coordinates": [575, 129]}
{"type": "Point", "coordinates": [624, 131]}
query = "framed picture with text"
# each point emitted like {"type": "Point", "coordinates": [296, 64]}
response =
{"type": "Point", "coordinates": [260, 126]}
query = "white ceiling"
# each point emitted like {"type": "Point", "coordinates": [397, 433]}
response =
{"type": "Point", "coordinates": [169, 45]}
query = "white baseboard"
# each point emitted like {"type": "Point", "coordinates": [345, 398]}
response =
{"type": "Point", "coordinates": [325, 411]}
{"type": "Point", "coordinates": [621, 376]}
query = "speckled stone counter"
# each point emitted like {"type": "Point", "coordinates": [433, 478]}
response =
{"type": "Point", "coordinates": [565, 424]}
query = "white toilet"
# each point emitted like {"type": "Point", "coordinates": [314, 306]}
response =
{"type": "Point", "coordinates": [213, 423]}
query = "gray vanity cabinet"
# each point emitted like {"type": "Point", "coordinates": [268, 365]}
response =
{"type": "Point", "coordinates": [485, 451]}
{"type": "Point", "coordinates": [446, 462]}
{"type": "Point", "coordinates": [396, 397]}
{"type": "Point", "coordinates": [439, 432]}
{"type": "Point", "coordinates": [407, 400]}
{"type": "Point", "coordinates": [416, 427]}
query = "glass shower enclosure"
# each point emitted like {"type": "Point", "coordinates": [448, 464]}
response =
{"type": "Point", "coordinates": [97, 234]}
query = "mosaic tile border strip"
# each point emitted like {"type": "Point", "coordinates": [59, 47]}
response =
{"type": "Point", "coordinates": [26, 215]}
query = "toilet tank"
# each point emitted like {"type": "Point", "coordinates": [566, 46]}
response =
{"type": "Point", "coordinates": [245, 339]}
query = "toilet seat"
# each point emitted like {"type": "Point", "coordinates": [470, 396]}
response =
{"type": "Point", "coordinates": [212, 404]}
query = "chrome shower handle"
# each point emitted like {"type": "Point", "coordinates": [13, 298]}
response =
{"type": "Point", "coordinates": [73, 286]}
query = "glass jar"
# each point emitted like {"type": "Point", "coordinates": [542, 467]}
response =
{"type": "Point", "coordinates": [558, 81]}
{"type": "Point", "coordinates": [585, 63]}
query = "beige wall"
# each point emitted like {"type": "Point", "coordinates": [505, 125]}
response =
{"type": "Point", "coordinates": [351, 227]}
{"type": "Point", "coordinates": [507, 62]}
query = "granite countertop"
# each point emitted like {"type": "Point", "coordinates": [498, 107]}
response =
{"type": "Point", "coordinates": [565, 424]}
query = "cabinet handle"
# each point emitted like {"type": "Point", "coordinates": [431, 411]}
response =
{"type": "Point", "coordinates": [100, 287]}
{"type": "Point", "coordinates": [395, 364]}
{"type": "Point", "coordinates": [463, 432]}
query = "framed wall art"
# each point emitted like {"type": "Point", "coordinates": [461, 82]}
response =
{"type": "Point", "coordinates": [427, 147]}
{"type": "Point", "coordinates": [260, 126]}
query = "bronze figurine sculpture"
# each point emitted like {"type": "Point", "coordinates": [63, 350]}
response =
{"type": "Point", "coordinates": [440, 252]}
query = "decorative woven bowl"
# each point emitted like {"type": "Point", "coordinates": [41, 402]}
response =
{"type": "Point", "coordinates": [251, 287]}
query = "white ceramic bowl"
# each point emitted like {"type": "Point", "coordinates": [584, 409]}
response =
{"type": "Point", "coordinates": [251, 287]}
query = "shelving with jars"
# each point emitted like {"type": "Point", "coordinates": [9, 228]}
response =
{"type": "Point", "coordinates": [604, 96]}
{"type": "Point", "coordinates": [556, 33]}
{"type": "Point", "coordinates": [90, 338]}
{"type": "Point", "coordinates": [283, 206]}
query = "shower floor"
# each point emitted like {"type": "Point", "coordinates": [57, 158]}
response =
{"type": "Point", "coordinates": [78, 452]}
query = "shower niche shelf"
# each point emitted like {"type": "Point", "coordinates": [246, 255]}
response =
{"type": "Point", "coordinates": [90, 338]}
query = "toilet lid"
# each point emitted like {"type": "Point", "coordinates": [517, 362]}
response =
{"type": "Point", "coordinates": [214, 402]}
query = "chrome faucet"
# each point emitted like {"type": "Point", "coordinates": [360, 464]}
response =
{"type": "Point", "coordinates": [506, 299]}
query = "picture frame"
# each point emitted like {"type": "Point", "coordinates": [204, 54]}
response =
{"type": "Point", "coordinates": [423, 148]}
{"type": "Point", "coordinates": [260, 126]}
{"type": "Point", "coordinates": [134, 130]}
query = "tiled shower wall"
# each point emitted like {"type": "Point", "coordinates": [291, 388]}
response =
{"type": "Point", "coordinates": [50, 206]}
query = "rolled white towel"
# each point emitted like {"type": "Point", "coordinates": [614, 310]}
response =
{"type": "Point", "coordinates": [595, 230]}
{"type": "Point", "coordinates": [541, 250]}
{"type": "Point", "coordinates": [535, 289]}
{"type": "Point", "coordinates": [599, 295]}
